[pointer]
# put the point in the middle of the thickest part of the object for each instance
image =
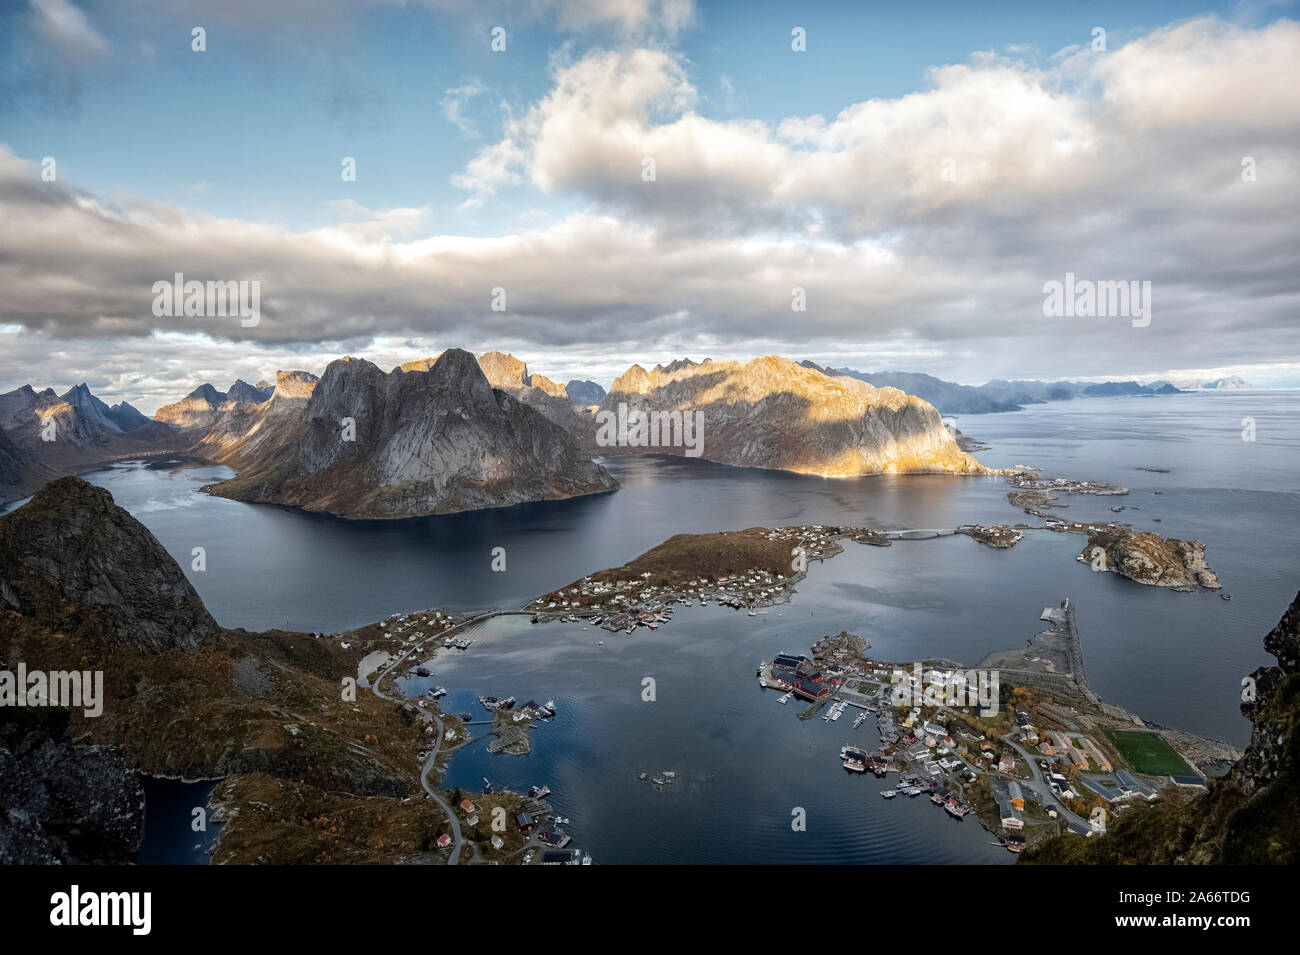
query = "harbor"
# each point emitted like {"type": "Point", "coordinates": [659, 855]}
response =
{"type": "Point", "coordinates": [919, 750]}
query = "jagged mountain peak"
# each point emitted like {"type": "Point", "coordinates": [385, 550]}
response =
{"type": "Point", "coordinates": [375, 445]}
{"type": "Point", "coordinates": [208, 393]}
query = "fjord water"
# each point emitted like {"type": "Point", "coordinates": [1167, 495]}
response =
{"type": "Point", "coordinates": [1175, 659]}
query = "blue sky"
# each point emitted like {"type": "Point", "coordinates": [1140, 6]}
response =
{"type": "Point", "coordinates": [201, 131]}
{"type": "Point", "coordinates": [777, 169]}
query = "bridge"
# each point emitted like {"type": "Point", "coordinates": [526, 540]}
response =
{"type": "Point", "coordinates": [920, 533]}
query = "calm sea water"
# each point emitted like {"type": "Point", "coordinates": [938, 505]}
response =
{"type": "Point", "coordinates": [1176, 659]}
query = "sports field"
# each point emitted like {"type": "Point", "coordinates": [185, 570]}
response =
{"type": "Point", "coordinates": [1148, 753]}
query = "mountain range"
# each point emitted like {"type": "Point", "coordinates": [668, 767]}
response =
{"type": "Point", "coordinates": [428, 443]}
{"type": "Point", "coordinates": [999, 395]}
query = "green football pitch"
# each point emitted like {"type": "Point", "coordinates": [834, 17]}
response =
{"type": "Point", "coordinates": [1148, 753]}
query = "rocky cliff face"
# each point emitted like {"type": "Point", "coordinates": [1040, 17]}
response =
{"type": "Point", "coordinates": [376, 445]}
{"type": "Point", "coordinates": [71, 555]}
{"type": "Point", "coordinates": [1250, 816]}
{"type": "Point", "coordinates": [63, 803]}
{"type": "Point", "coordinates": [1151, 559]}
{"type": "Point", "coordinates": [83, 586]}
{"type": "Point", "coordinates": [773, 413]}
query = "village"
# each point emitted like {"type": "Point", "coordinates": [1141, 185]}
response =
{"type": "Point", "coordinates": [623, 599]}
{"type": "Point", "coordinates": [1024, 784]}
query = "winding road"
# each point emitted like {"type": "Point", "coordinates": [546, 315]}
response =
{"type": "Point", "coordinates": [457, 838]}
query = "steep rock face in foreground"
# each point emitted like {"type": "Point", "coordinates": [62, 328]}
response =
{"type": "Point", "coordinates": [773, 413]}
{"type": "Point", "coordinates": [60, 802]}
{"type": "Point", "coordinates": [1250, 816]}
{"type": "Point", "coordinates": [422, 442]}
{"type": "Point", "coordinates": [71, 550]}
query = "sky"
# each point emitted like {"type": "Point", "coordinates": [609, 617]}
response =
{"type": "Point", "coordinates": [912, 175]}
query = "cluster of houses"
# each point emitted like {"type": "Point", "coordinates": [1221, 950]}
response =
{"type": "Point", "coordinates": [749, 588]}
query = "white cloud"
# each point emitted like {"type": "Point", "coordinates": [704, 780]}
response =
{"type": "Point", "coordinates": [66, 31]}
{"type": "Point", "coordinates": [453, 105]}
{"type": "Point", "coordinates": [1087, 165]}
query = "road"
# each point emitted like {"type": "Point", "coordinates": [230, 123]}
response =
{"type": "Point", "coordinates": [457, 839]}
{"type": "Point", "coordinates": [1044, 791]}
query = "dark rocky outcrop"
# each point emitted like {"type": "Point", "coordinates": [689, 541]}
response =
{"type": "Point", "coordinates": [71, 554]}
{"type": "Point", "coordinates": [60, 802]}
{"type": "Point", "coordinates": [410, 443]}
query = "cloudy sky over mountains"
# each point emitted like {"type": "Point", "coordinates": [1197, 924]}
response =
{"type": "Point", "coordinates": [921, 173]}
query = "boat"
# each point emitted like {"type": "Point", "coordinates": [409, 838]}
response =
{"type": "Point", "coordinates": [561, 820]}
{"type": "Point", "coordinates": [855, 765]}
{"type": "Point", "coordinates": [852, 752]}
{"type": "Point", "coordinates": [889, 793]}
{"type": "Point", "coordinates": [437, 691]}
{"type": "Point", "coordinates": [786, 699]}
{"type": "Point", "coordinates": [539, 792]}
{"type": "Point", "coordinates": [421, 671]}
{"type": "Point", "coordinates": [762, 682]}
{"type": "Point", "coordinates": [549, 706]}
{"type": "Point", "coordinates": [862, 718]}
{"type": "Point", "coordinates": [913, 790]}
